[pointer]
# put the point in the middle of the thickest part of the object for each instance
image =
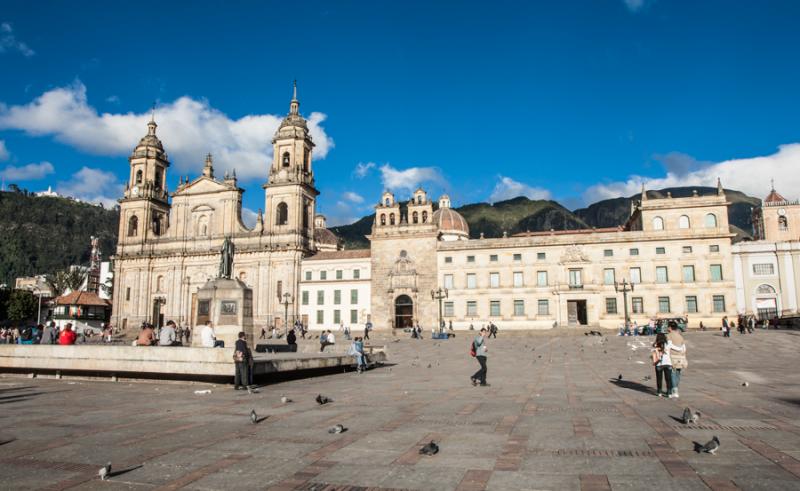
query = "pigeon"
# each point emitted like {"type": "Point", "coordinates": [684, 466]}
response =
{"type": "Point", "coordinates": [745, 384]}
{"type": "Point", "coordinates": [337, 429]}
{"type": "Point", "coordinates": [251, 390]}
{"type": "Point", "coordinates": [646, 378]}
{"type": "Point", "coordinates": [430, 449]}
{"type": "Point", "coordinates": [710, 447]}
{"type": "Point", "coordinates": [619, 377]}
{"type": "Point", "coordinates": [323, 399]}
{"type": "Point", "coordinates": [253, 416]}
{"type": "Point", "coordinates": [429, 365]}
{"type": "Point", "coordinates": [695, 417]}
{"type": "Point", "coordinates": [104, 472]}
{"type": "Point", "coordinates": [687, 416]}
{"type": "Point", "coordinates": [285, 400]}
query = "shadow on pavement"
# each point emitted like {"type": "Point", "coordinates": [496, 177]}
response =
{"type": "Point", "coordinates": [627, 384]}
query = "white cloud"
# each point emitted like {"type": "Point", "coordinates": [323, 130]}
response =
{"type": "Point", "coordinates": [189, 128]}
{"type": "Point", "coordinates": [409, 179]}
{"type": "Point", "coordinates": [4, 155]}
{"type": "Point", "coordinates": [352, 197]}
{"type": "Point", "coordinates": [112, 99]}
{"type": "Point", "coordinates": [634, 5]}
{"type": "Point", "coordinates": [28, 172]}
{"type": "Point", "coordinates": [249, 217]}
{"type": "Point", "coordinates": [749, 175]}
{"type": "Point", "coordinates": [363, 169]}
{"type": "Point", "coordinates": [9, 42]}
{"type": "Point", "coordinates": [507, 188]}
{"type": "Point", "coordinates": [92, 185]}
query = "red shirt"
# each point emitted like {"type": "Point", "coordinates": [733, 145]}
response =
{"type": "Point", "coordinates": [67, 337]}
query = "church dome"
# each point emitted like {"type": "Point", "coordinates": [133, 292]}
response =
{"type": "Point", "coordinates": [149, 140]}
{"type": "Point", "coordinates": [452, 225]}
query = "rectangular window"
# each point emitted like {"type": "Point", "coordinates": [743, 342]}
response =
{"type": "Point", "coordinates": [660, 250]}
{"type": "Point", "coordinates": [663, 305]}
{"type": "Point", "coordinates": [320, 317]}
{"type": "Point", "coordinates": [279, 289]}
{"type": "Point", "coordinates": [493, 258]}
{"type": "Point", "coordinates": [764, 269]}
{"type": "Point", "coordinates": [636, 275]}
{"type": "Point", "coordinates": [305, 297]}
{"type": "Point", "coordinates": [448, 281]}
{"type": "Point", "coordinates": [472, 308]}
{"type": "Point", "coordinates": [634, 251]}
{"type": "Point", "coordinates": [691, 304]}
{"type": "Point", "coordinates": [128, 294]}
{"type": "Point", "coordinates": [575, 278]}
{"type": "Point", "coordinates": [494, 308]}
{"type": "Point", "coordinates": [353, 296]}
{"type": "Point", "coordinates": [611, 305]}
{"type": "Point", "coordinates": [320, 297]}
{"type": "Point", "coordinates": [356, 274]}
{"type": "Point", "coordinates": [608, 253]}
{"type": "Point", "coordinates": [494, 280]}
{"type": "Point", "coordinates": [687, 249]}
{"type": "Point", "coordinates": [637, 305]}
{"type": "Point", "coordinates": [713, 248]}
{"type": "Point", "coordinates": [716, 272]}
{"type": "Point", "coordinates": [471, 281]}
{"type": "Point", "coordinates": [308, 275]}
{"type": "Point", "coordinates": [517, 278]}
{"type": "Point", "coordinates": [541, 256]}
{"type": "Point", "coordinates": [518, 257]}
{"type": "Point", "coordinates": [339, 274]}
{"type": "Point", "coordinates": [608, 276]}
{"type": "Point", "coordinates": [337, 316]}
{"type": "Point", "coordinates": [337, 297]}
{"type": "Point", "coordinates": [661, 274]}
{"type": "Point", "coordinates": [719, 303]}
{"type": "Point", "coordinates": [323, 275]}
{"type": "Point", "coordinates": [448, 259]}
{"type": "Point", "coordinates": [688, 274]}
{"type": "Point", "coordinates": [541, 278]}
{"type": "Point", "coordinates": [354, 316]}
{"type": "Point", "coordinates": [470, 259]}
{"type": "Point", "coordinates": [519, 307]}
{"type": "Point", "coordinates": [543, 307]}
{"type": "Point", "coordinates": [449, 309]}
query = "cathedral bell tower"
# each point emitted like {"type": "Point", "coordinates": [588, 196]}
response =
{"type": "Point", "coordinates": [144, 208]}
{"type": "Point", "coordinates": [290, 196]}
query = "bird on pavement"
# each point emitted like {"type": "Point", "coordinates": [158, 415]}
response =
{"type": "Point", "coordinates": [104, 472]}
{"type": "Point", "coordinates": [619, 377]}
{"type": "Point", "coordinates": [337, 429]}
{"type": "Point", "coordinates": [429, 449]}
{"type": "Point", "coordinates": [321, 399]}
{"type": "Point", "coordinates": [711, 447]}
{"type": "Point", "coordinates": [253, 416]}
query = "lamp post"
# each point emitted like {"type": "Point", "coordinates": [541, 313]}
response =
{"type": "Point", "coordinates": [624, 288]}
{"type": "Point", "coordinates": [287, 299]}
{"type": "Point", "coordinates": [439, 294]}
{"type": "Point", "coordinates": [38, 293]}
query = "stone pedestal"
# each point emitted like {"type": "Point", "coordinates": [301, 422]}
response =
{"type": "Point", "coordinates": [228, 304]}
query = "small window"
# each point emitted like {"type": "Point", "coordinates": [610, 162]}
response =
{"type": "Point", "coordinates": [353, 296]}
{"type": "Point", "coordinates": [320, 317]}
{"type": "Point", "coordinates": [517, 279]}
{"type": "Point", "coordinates": [139, 177]}
{"type": "Point", "coordinates": [391, 218]}
{"type": "Point", "coordinates": [472, 308]}
{"type": "Point", "coordinates": [320, 297]}
{"type": "Point", "coordinates": [424, 217]}
{"type": "Point", "coordinates": [282, 213]}
{"type": "Point", "coordinates": [448, 259]}
{"type": "Point", "coordinates": [541, 278]}
{"type": "Point", "coordinates": [493, 258]}
{"type": "Point", "coordinates": [383, 218]}
{"type": "Point", "coordinates": [356, 274]}
{"type": "Point", "coordinates": [658, 223]}
{"type": "Point", "coordinates": [471, 281]}
{"type": "Point", "coordinates": [415, 217]}
{"type": "Point", "coordinates": [494, 280]}
{"type": "Point", "coordinates": [339, 274]}
{"type": "Point", "coordinates": [286, 159]}
{"type": "Point", "coordinates": [663, 305]}
{"type": "Point", "coordinates": [783, 223]}
{"type": "Point", "coordinates": [634, 251]}
{"type": "Point", "coordinates": [470, 259]}
{"type": "Point", "coordinates": [611, 305]}
{"type": "Point", "coordinates": [541, 256]}
{"type": "Point", "coordinates": [683, 222]}
{"type": "Point", "coordinates": [128, 294]}
{"type": "Point", "coordinates": [764, 269]}
{"type": "Point", "coordinates": [449, 310]}
{"type": "Point", "coordinates": [354, 316]}
{"type": "Point", "coordinates": [711, 220]}
{"type": "Point", "coordinates": [279, 289]}
{"type": "Point", "coordinates": [517, 257]}
{"type": "Point", "coordinates": [308, 275]}
{"type": "Point", "coordinates": [637, 305]}
{"type": "Point", "coordinates": [305, 298]}
{"type": "Point", "coordinates": [448, 281]}
{"type": "Point", "coordinates": [713, 248]}
{"type": "Point", "coordinates": [337, 297]}
{"type": "Point", "coordinates": [575, 278]}
{"type": "Point", "coordinates": [543, 307]}
{"type": "Point", "coordinates": [688, 274]}
{"type": "Point", "coordinates": [719, 303]}
{"type": "Point", "coordinates": [608, 276]}
{"type": "Point", "coordinates": [608, 253]}
{"type": "Point", "coordinates": [661, 274]}
{"type": "Point", "coordinates": [716, 272]}
{"type": "Point", "coordinates": [323, 275]}
{"type": "Point", "coordinates": [691, 304]}
{"type": "Point", "coordinates": [133, 226]}
{"type": "Point", "coordinates": [494, 308]}
{"type": "Point", "coordinates": [337, 316]}
{"type": "Point", "coordinates": [636, 275]}
{"type": "Point", "coordinates": [519, 308]}
{"type": "Point", "coordinates": [661, 250]}
{"type": "Point", "coordinates": [687, 249]}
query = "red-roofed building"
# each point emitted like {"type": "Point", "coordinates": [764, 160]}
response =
{"type": "Point", "coordinates": [82, 309]}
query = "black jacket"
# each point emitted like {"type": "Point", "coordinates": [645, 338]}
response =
{"type": "Point", "coordinates": [241, 345]}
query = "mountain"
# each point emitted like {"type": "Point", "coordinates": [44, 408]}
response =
{"type": "Point", "coordinates": [46, 234]}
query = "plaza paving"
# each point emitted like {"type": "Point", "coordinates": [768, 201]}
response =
{"type": "Point", "coordinates": [553, 418]}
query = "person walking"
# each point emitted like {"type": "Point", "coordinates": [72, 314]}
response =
{"type": "Point", "coordinates": [677, 353]}
{"type": "Point", "coordinates": [726, 329]}
{"type": "Point", "coordinates": [492, 330]}
{"type": "Point", "coordinates": [663, 365]}
{"type": "Point", "coordinates": [479, 351]}
{"type": "Point", "coordinates": [243, 358]}
{"type": "Point", "coordinates": [263, 333]}
{"type": "Point", "coordinates": [367, 329]}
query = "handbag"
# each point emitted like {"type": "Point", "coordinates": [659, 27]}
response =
{"type": "Point", "coordinates": [679, 360]}
{"type": "Point", "coordinates": [238, 356]}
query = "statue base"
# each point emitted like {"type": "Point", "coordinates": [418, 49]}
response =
{"type": "Point", "coordinates": [228, 304]}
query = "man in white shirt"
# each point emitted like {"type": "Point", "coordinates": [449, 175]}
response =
{"type": "Point", "coordinates": [208, 339]}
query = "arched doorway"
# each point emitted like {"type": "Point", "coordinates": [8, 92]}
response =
{"type": "Point", "coordinates": [403, 312]}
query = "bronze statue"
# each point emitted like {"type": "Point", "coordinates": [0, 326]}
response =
{"type": "Point", "coordinates": [226, 260]}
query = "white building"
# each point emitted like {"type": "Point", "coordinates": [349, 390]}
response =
{"type": "Point", "coordinates": [335, 289]}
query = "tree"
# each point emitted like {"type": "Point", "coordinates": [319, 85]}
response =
{"type": "Point", "coordinates": [22, 305]}
{"type": "Point", "coordinates": [68, 279]}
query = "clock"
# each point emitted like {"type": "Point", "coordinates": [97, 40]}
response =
{"type": "Point", "coordinates": [781, 212]}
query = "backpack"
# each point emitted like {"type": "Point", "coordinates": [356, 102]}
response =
{"type": "Point", "coordinates": [473, 350]}
{"type": "Point", "coordinates": [27, 334]}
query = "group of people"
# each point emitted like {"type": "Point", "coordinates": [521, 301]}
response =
{"type": "Point", "coordinates": [168, 335]}
{"type": "Point", "coordinates": [669, 359]}
{"type": "Point", "coordinates": [47, 333]}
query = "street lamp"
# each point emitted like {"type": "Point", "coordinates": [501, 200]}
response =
{"type": "Point", "coordinates": [287, 299]}
{"type": "Point", "coordinates": [439, 294]}
{"type": "Point", "coordinates": [38, 293]}
{"type": "Point", "coordinates": [623, 287]}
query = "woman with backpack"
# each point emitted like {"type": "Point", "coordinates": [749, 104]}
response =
{"type": "Point", "coordinates": [677, 353]}
{"type": "Point", "coordinates": [663, 364]}
{"type": "Point", "coordinates": [479, 351]}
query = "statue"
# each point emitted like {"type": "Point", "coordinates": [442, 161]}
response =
{"type": "Point", "coordinates": [226, 260]}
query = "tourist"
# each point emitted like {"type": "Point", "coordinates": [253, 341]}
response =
{"type": "Point", "coordinates": [26, 335]}
{"type": "Point", "coordinates": [167, 337]}
{"type": "Point", "coordinates": [663, 363]}
{"type": "Point", "coordinates": [147, 337]}
{"type": "Point", "coordinates": [49, 334]}
{"type": "Point", "coordinates": [330, 339]}
{"type": "Point", "coordinates": [108, 332]}
{"type": "Point", "coordinates": [357, 351]}
{"type": "Point", "coordinates": [291, 340]}
{"type": "Point", "coordinates": [480, 349]}
{"type": "Point", "coordinates": [208, 338]}
{"type": "Point", "coordinates": [492, 330]}
{"type": "Point", "coordinates": [702, 326]}
{"type": "Point", "coordinates": [451, 325]}
{"type": "Point", "coordinates": [67, 336]}
{"type": "Point", "coordinates": [367, 329]}
{"type": "Point", "coordinates": [635, 328]}
{"type": "Point", "coordinates": [751, 324]}
{"type": "Point", "coordinates": [242, 357]}
{"type": "Point", "coordinates": [263, 333]}
{"type": "Point", "coordinates": [677, 354]}
{"type": "Point", "coordinates": [726, 330]}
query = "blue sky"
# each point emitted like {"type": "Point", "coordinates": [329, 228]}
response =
{"type": "Point", "coordinates": [574, 101]}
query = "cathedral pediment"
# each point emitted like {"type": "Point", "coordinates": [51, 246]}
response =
{"type": "Point", "coordinates": [203, 185]}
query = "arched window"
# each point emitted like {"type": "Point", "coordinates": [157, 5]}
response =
{"type": "Point", "coordinates": [138, 176]}
{"type": "Point", "coordinates": [414, 217]}
{"type": "Point", "coordinates": [765, 289]}
{"type": "Point", "coordinates": [419, 199]}
{"type": "Point", "coordinates": [286, 159]}
{"type": "Point", "coordinates": [658, 223]}
{"type": "Point", "coordinates": [306, 214]}
{"type": "Point", "coordinates": [783, 223]}
{"type": "Point", "coordinates": [386, 201]}
{"type": "Point", "coordinates": [383, 218]}
{"type": "Point", "coordinates": [133, 226]}
{"type": "Point", "coordinates": [242, 276]}
{"type": "Point", "coordinates": [711, 220]}
{"type": "Point", "coordinates": [157, 225]}
{"type": "Point", "coordinates": [306, 159]}
{"type": "Point", "coordinates": [159, 177]}
{"type": "Point", "coordinates": [391, 218]}
{"type": "Point", "coordinates": [282, 217]}
{"type": "Point", "coordinates": [160, 284]}
{"type": "Point", "coordinates": [202, 226]}
{"type": "Point", "coordinates": [424, 217]}
{"type": "Point", "coordinates": [683, 222]}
